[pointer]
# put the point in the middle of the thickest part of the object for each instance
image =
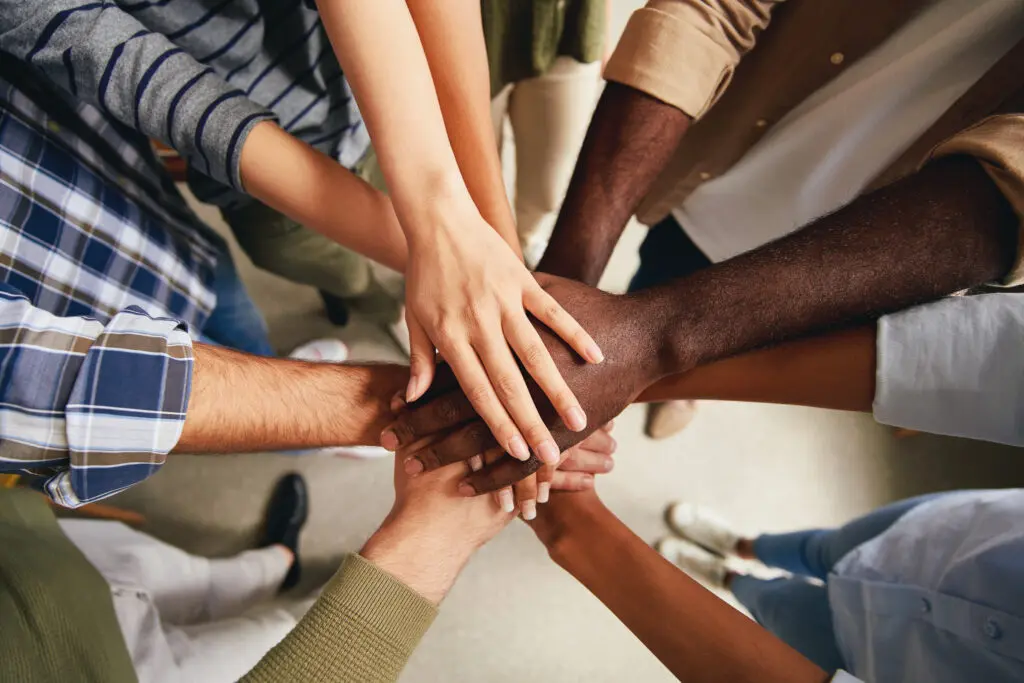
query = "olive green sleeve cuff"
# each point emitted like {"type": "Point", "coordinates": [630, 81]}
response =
{"type": "Point", "coordinates": [363, 628]}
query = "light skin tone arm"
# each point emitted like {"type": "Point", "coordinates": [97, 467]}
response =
{"type": "Point", "coordinates": [944, 229]}
{"type": "Point", "coordinates": [243, 403]}
{"type": "Point", "coordinates": [467, 292]}
{"type": "Point", "coordinates": [631, 138]}
{"type": "Point", "coordinates": [697, 636]}
{"type": "Point", "coordinates": [455, 51]}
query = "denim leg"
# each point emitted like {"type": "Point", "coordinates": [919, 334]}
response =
{"type": "Point", "coordinates": [815, 551]}
{"type": "Point", "coordinates": [235, 322]}
{"type": "Point", "coordinates": [795, 610]}
{"type": "Point", "coordinates": [666, 253]}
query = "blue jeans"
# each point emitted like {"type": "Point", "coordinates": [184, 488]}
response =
{"type": "Point", "coordinates": [795, 609]}
{"type": "Point", "coordinates": [667, 253]}
{"type": "Point", "coordinates": [235, 322]}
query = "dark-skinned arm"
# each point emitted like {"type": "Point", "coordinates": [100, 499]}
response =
{"type": "Point", "coordinates": [941, 230]}
{"type": "Point", "coordinates": [697, 636]}
{"type": "Point", "coordinates": [630, 140]}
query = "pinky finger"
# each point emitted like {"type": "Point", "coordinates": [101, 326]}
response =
{"type": "Point", "coordinates": [546, 309]}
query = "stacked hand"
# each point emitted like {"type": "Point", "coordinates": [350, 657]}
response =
{"type": "Point", "coordinates": [627, 335]}
{"type": "Point", "coordinates": [471, 297]}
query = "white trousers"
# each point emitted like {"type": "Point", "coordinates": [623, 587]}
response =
{"type": "Point", "coordinates": [549, 116]}
{"type": "Point", "coordinates": [185, 617]}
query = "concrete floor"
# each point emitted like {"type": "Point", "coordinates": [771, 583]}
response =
{"type": "Point", "coordinates": [513, 615]}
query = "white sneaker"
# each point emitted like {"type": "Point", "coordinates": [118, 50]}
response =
{"type": "Point", "coordinates": [327, 350]}
{"type": "Point", "coordinates": [694, 560]}
{"type": "Point", "coordinates": [703, 527]}
{"type": "Point", "coordinates": [355, 452]}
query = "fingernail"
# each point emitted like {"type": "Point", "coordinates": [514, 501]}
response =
{"type": "Point", "coordinates": [575, 419]}
{"type": "Point", "coordinates": [543, 491]}
{"type": "Point", "coordinates": [588, 481]}
{"type": "Point", "coordinates": [389, 440]}
{"type": "Point", "coordinates": [594, 354]}
{"type": "Point", "coordinates": [518, 448]}
{"type": "Point", "coordinates": [410, 391]}
{"type": "Point", "coordinates": [548, 452]}
{"type": "Point", "coordinates": [476, 463]}
{"type": "Point", "coordinates": [608, 464]}
{"type": "Point", "coordinates": [466, 489]}
{"type": "Point", "coordinates": [505, 498]}
{"type": "Point", "coordinates": [413, 466]}
{"type": "Point", "coordinates": [397, 403]}
{"type": "Point", "coordinates": [529, 508]}
{"type": "Point", "coordinates": [613, 445]}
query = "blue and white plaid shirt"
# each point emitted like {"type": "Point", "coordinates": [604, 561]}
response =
{"type": "Point", "coordinates": [103, 269]}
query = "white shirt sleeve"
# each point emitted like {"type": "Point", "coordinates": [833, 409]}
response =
{"type": "Point", "coordinates": [954, 367]}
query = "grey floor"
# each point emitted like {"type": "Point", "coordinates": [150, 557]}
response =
{"type": "Point", "coordinates": [513, 615]}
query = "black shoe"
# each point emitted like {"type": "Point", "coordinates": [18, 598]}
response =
{"type": "Point", "coordinates": [337, 309]}
{"type": "Point", "coordinates": [286, 514]}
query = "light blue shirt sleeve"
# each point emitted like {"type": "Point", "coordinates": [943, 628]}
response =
{"type": "Point", "coordinates": [954, 367]}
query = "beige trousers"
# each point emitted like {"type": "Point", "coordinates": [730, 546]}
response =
{"type": "Point", "coordinates": [549, 116]}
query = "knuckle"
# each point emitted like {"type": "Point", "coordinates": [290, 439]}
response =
{"type": "Point", "coordinates": [479, 394]}
{"type": "Point", "coordinates": [477, 435]}
{"type": "Point", "coordinates": [552, 311]}
{"type": "Point", "coordinates": [533, 355]}
{"type": "Point", "coordinates": [506, 387]}
{"type": "Point", "coordinates": [447, 410]}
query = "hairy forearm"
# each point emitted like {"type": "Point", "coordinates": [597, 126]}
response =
{"type": "Point", "coordinates": [454, 45]}
{"type": "Point", "coordinates": [944, 229]}
{"type": "Point", "coordinates": [630, 140]}
{"type": "Point", "coordinates": [694, 634]}
{"type": "Point", "coordinates": [242, 403]}
{"type": "Point", "coordinates": [835, 370]}
{"type": "Point", "coordinates": [288, 175]}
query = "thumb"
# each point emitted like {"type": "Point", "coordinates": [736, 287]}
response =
{"type": "Point", "coordinates": [421, 359]}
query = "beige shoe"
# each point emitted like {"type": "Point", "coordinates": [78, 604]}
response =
{"type": "Point", "coordinates": [669, 418]}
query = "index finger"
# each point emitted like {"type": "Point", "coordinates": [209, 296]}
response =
{"type": "Point", "coordinates": [422, 419]}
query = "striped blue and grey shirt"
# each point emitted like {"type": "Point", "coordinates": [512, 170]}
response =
{"type": "Point", "coordinates": [194, 74]}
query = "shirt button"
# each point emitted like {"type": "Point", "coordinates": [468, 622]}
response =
{"type": "Point", "coordinates": [53, 125]}
{"type": "Point", "coordinates": [761, 123]}
{"type": "Point", "coordinates": [561, 5]}
{"type": "Point", "coordinates": [837, 58]}
{"type": "Point", "coordinates": [926, 606]}
{"type": "Point", "coordinates": [704, 175]}
{"type": "Point", "coordinates": [992, 629]}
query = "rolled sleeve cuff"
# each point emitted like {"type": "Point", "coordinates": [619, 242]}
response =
{"type": "Point", "coordinates": [210, 126]}
{"type": "Point", "coordinates": [127, 407]}
{"type": "Point", "coordinates": [998, 143]}
{"type": "Point", "coordinates": [954, 367]}
{"type": "Point", "coordinates": [669, 58]}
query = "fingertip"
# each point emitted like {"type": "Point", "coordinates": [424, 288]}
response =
{"type": "Point", "coordinates": [389, 440]}
{"type": "Point", "coordinates": [592, 352]}
{"type": "Point", "coordinates": [575, 419]}
{"type": "Point", "coordinates": [466, 489]}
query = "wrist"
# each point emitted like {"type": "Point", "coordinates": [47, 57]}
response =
{"type": "Point", "coordinates": [674, 328]}
{"type": "Point", "coordinates": [571, 519]}
{"type": "Point", "coordinates": [435, 203]}
{"type": "Point", "coordinates": [422, 556]}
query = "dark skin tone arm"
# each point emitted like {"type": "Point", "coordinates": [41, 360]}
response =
{"type": "Point", "coordinates": [694, 634]}
{"type": "Point", "coordinates": [941, 230]}
{"type": "Point", "coordinates": [630, 140]}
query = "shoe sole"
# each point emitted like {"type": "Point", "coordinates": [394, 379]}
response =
{"type": "Point", "coordinates": [667, 516]}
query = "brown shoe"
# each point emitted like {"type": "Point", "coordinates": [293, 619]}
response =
{"type": "Point", "coordinates": [669, 418]}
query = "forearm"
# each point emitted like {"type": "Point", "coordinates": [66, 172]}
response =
{"type": "Point", "coordinates": [630, 140]}
{"type": "Point", "coordinates": [694, 634]}
{"type": "Point", "coordinates": [944, 229]}
{"type": "Point", "coordinates": [383, 58]}
{"type": "Point", "coordinates": [242, 403]}
{"type": "Point", "coordinates": [834, 371]}
{"type": "Point", "coordinates": [290, 176]}
{"type": "Point", "coordinates": [454, 45]}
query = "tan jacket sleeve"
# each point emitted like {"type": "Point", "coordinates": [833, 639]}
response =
{"type": "Point", "coordinates": [362, 629]}
{"type": "Point", "coordinates": [684, 52]}
{"type": "Point", "coordinates": [998, 143]}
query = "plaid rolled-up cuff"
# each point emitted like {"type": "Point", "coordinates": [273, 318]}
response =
{"type": "Point", "coordinates": [94, 408]}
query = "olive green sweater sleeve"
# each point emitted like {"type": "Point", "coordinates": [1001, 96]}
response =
{"type": "Point", "coordinates": [362, 629]}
